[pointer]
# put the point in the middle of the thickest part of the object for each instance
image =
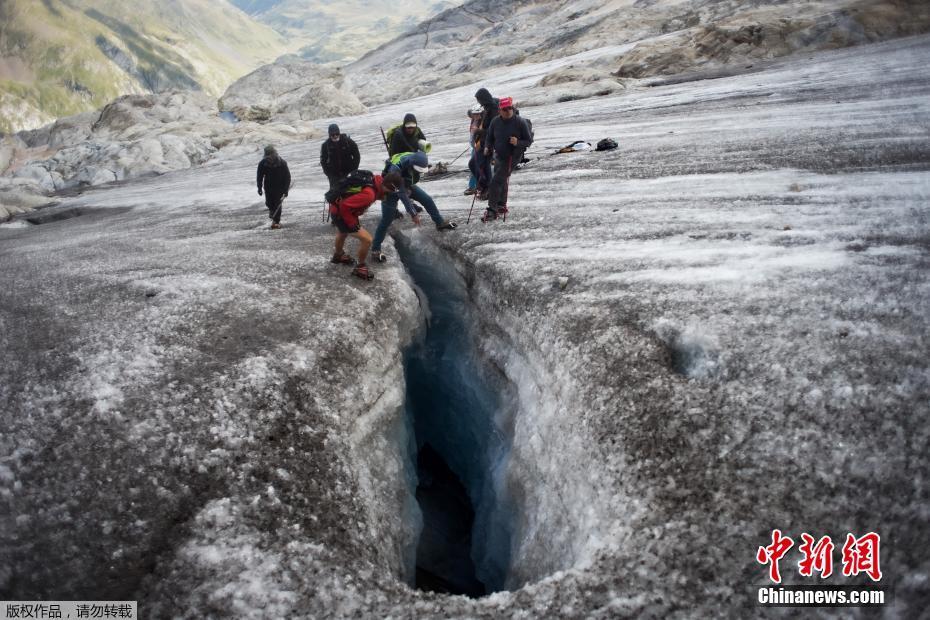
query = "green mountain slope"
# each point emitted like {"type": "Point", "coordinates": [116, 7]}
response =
{"type": "Point", "coordinates": [60, 57]}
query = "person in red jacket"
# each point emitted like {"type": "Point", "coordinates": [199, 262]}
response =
{"type": "Point", "coordinates": [346, 212]}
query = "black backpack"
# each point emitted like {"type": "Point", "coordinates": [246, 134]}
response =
{"type": "Point", "coordinates": [606, 144]}
{"type": "Point", "coordinates": [528, 122]}
{"type": "Point", "coordinates": [352, 183]}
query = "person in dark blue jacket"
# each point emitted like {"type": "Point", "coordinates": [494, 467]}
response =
{"type": "Point", "coordinates": [480, 164]}
{"type": "Point", "coordinates": [338, 156]}
{"type": "Point", "coordinates": [507, 139]}
{"type": "Point", "coordinates": [410, 166]}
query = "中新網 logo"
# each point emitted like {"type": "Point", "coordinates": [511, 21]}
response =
{"type": "Point", "coordinates": [859, 555]}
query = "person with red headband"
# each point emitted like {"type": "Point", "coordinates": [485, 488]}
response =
{"type": "Point", "coordinates": [508, 138]}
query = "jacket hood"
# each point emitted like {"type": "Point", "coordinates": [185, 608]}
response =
{"type": "Point", "coordinates": [484, 97]}
{"type": "Point", "coordinates": [343, 141]}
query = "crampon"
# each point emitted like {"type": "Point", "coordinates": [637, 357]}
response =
{"type": "Point", "coordinates": [492, 214]}
{"type": "Point", "coordinates": [362, 271]}
{"type": "Point", "coordinates": [342, 259]}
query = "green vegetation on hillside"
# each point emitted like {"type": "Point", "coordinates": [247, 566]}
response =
{"type": "Point", "coordinates": [344, 30]}
{"type": "Point", "coordinates": [60, 57]}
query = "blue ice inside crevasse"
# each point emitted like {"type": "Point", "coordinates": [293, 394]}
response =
{"type": "Point", "coordinates": [229, 117]}
{"type": "Point", "coordinates": [457, 404]}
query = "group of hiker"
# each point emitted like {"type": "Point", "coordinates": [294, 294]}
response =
{"type": "Point", "coordinates": [498, 140]}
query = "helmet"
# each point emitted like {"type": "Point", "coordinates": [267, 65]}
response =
{"type": "Point", "coordinates": [476, 109]}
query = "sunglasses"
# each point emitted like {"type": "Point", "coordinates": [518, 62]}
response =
{"type": "Point", "coordinates": [506, 109]}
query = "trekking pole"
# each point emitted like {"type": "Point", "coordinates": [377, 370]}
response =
{"type": "Point", "coordinates": [325, 212]}
{"type": "Point", "coordinates": [460, 154]}
{"type": "Point", "coordinates": [473, 198]}
{"type": "Point", "coordinates": [277, 212]}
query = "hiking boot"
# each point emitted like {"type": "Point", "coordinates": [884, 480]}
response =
{"type": "Point", "coordinates": [398, 215]}
{"type": "Point", "coordinates": [275, 226]}
{"type": "Point", "coordinates": [363, 272]}
{"type": "Point", "coordinates": [470, 191]}
{"type": "Point", "coordinates": [489, 215]}
{"type": "Point", "coordinates": [446, 225]}
{"type": "Point", "coordinates": [380, 256]}
{"type": "Point", "coordinates": [342, 259]}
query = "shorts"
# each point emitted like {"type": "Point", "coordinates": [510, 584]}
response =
{"type": "Point", "coordinates": [342, 227]}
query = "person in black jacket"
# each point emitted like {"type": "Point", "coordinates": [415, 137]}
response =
{"type": "Point", "coordinates": [406, 139]}
{"type": "Point", "coordinates": [482, 163]}
{"type": "Point", "coordinates": [275, 177]}
{"type": "Point", "coordinates": [507, 139]}
{"type": "Point", "coordinates": [338, 155]}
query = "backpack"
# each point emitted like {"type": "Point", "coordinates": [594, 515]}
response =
{"type": "Point", "coordinates": [352, 183]}
{"type": "Point", "coordinates": [390, 132]}
{"type": "Point", "coordinates": [528, 122]}
{"type": "Point", "coordinates": [606, 144]}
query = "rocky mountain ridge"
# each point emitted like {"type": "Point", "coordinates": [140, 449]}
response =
{"type": "Point", "coordinates": [661, 37]}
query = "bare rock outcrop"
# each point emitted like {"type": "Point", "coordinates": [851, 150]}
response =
{"type": "Point", "coordinates": [134, 136]}
{"type": "Point", "coordinates": [290, 89]}
{"type": "Point", "coordinates": [762, 32]}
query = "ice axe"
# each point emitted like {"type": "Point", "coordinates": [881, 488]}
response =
{"type": "Point", "coordinates": [384, 137]}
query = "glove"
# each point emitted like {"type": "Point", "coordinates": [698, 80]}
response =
{"type": "Point", "coordinates": [259, 191]}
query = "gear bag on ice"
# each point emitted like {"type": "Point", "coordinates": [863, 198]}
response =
{"type": "Point", "coordinates": [353, 183]}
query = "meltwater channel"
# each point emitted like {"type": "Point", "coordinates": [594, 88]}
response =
{"type": "Point", "coordinates": [457, 406]}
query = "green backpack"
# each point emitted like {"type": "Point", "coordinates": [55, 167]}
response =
{"type": "Point", "coordinates": [389, 134]}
